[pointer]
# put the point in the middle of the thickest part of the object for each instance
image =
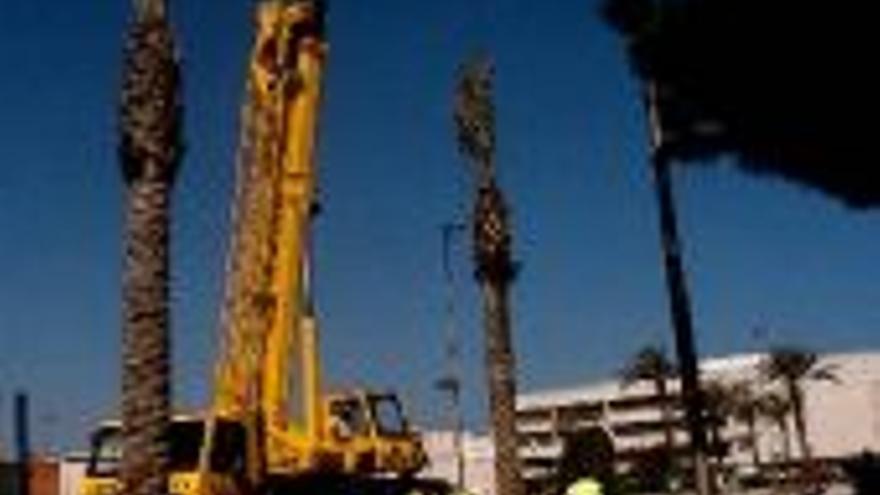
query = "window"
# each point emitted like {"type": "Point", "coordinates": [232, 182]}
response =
{"type": "Point", "coordinates": [349, 418]}
{"type": "Point", "coordinates": [228, 454]}
{"type": "Point", "coordinates": [389, 417]}
{"type": "Point", "coordinates": [106, 452]}
{"type": "Point", "coordinates": [185, 442]}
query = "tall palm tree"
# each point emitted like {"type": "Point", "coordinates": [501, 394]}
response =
{"type": "Point", "coordinates": [744, 408]}
{"type": "Point", "coordinates": [650, 364]}
{"type": "Point", "coordinates": [693, 48]}
{"type": "Point", "coordinates": [792, 366]}
{"type": "Point", "coordinates": [474, 115]}
{"type": "Point", "coordinates": [776, 408]}
{"type": "Point", "coordinates": [150, 149]}
{"type": "Point", "coordinates": [679, 298]}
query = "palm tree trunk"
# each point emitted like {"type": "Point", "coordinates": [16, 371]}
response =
{"type": "Point", "coordinates": [495, 272]}
{"type": "Point", "coordinates": [786, 439]}
{"type": "Point", "coordinates": [753, 438]}
{"type": "Point", "coordinates": [797, 405]}
{"type": "Point", "coordinates": [149, 152]}
{"type": "Point", "coordinates": [146, 386]}
{"type": "Point", "coordinates": [679, 306]}
{"type": "Point", "coordinates": [500, 366]}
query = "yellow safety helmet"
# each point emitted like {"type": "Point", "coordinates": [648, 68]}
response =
{"type": "Point", "coordinates": [585, 486]}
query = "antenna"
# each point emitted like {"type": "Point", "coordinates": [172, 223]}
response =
{"type": "Point", "coordinates": [22, 442]}
{"type": "Point", "coordinates": [450, 382]}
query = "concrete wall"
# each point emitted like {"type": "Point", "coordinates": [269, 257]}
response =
{"type": "Point", "coordinates": [479, 457]}
{"type": "Point", "coordinates": [71, 473]}
{"type": "Point", "coordinates": [42, 479]}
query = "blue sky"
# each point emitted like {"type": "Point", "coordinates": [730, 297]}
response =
{"type": "Point", "coordinates": [571, 154]}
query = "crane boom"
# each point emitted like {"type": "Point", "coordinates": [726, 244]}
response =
{"type": "Point", "coordinates": [270, 357]}
{"type": "Point", "coordinates": [294, 308]}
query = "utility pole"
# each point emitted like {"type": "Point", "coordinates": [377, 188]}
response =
{"type": "Point", "coordinates": [22, 443]}
{"type": "Point", "coordinates": [451, 381]}
{"type": "Point", "coordinates": [2, 448]}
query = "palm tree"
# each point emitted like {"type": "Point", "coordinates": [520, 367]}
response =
{"type": "Point", "coordinates": [679, 298]}
{"type": "Point", "coordinates": [744, 408]}
{"type": "Point", "coordinates": [791, 367]}
{"type": "Point", "coordinates": [650, 364]}
{"type": "Point", "coordinates": [717, 410]}
{"type": "Point", "coordinates": [776, 408]}
{"type": "Point", "coordinates": [150, 149]}
{"type": "Point", "coordinates": [694, 51]}
{"type": "Point", "coordinates": [474, 115]}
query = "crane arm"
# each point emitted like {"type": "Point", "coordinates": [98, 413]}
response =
{"type": "Point", "coordinates": [293, 327]}
{"type": "Point", "coordinates": [267, 321]}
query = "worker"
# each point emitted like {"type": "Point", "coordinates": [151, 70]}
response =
{"type": "Point", "coordinates": [585, 486]}
{"type": "Point", "coordinates": [586, 463]}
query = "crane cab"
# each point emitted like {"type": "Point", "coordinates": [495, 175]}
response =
{"type": "Point", "coordinates": [372, 430]}
{"type": "Point", "coordinates": [226, 473]}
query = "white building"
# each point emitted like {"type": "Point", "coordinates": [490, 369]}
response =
{"type": "Point", "coordinates": [842, 417]}
{"type": "Point", "coordinates": [478, 453]}
{"type": "Point", "coordinates": [71, 472]}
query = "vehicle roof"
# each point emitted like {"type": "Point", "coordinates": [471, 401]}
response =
{"type": "Point", "coordinates": [176, 418]}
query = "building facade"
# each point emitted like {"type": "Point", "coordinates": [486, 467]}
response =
{"type": "Point", "coordinates": [842, 416]}
{"type": "Point", "coordinates": [42, 477]}
{"type": "Point", "coordinates": [842, 420]}
{"type": "Point", "coordinates": [478, 454]}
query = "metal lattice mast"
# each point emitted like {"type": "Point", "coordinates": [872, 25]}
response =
{"type": "Point", "coordinates": [451, 382]}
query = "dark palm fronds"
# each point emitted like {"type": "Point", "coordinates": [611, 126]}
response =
{"type": "Point", "coordinates": [795, 364]}
{"type": "Point", "coordinates": [151, 115]}
{"type": "Point", "coordinates": [649, 363]}
{"type": "Point", "coordinates": [492, 236]}
{"type": "Point", "coordinates": [474, 116]}
{"type": "Point", "coordinates": [785, 86]}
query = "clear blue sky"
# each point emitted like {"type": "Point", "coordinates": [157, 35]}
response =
{"type": "Point", "coordinates": [571, 156]}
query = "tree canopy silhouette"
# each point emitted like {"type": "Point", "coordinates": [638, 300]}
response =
{"type": "Point", "coordinates": [783, 85]}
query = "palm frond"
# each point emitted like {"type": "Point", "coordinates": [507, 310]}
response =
{"type": "Point", "coordinates": [784, 86]}
{"type": "Point", "coordinates": [474, 115]}
{"type": "Point", "coordinates": [649, 363]}
{"type": "Point", "coordinates": [827, 373]}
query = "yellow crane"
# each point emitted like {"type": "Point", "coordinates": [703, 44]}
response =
{"type": "Point", "coordinates": [270, 422]}
{"type": "Point", "coordinates": [271, 362]}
